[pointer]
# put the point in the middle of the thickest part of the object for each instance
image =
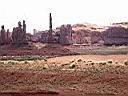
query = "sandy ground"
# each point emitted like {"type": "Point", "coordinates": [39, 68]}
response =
{"type": "Point", "coordinates": [65, 59]}
{"type": "Point", "coordinates": [86, 79]}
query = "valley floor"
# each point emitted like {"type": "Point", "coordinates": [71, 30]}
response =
{"type": "Point", "coordinates": [78, 75]}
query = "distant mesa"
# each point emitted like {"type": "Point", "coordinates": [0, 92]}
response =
{"type": "Point", "coordinates": [88, 34]}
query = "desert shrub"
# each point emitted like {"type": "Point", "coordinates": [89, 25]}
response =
{"type": "Point", "coordinates": [29, 58]}
{"type": "Point", "coordinates": [22, 58]}
{"type": "Point", "coordinates": [26, 62]}
{"type": "Point", "coordinates": [110, 61]}
{"type": "Point", "coordinates": [72, 66]}
{"type": "Point", "coordinates": [92, 63]}
{"type": "Point", "coordinates": [102, 63]}
{"type": "Point", "coordinates": [11, 62]}
{"type": "Point", "coordinates": [45, 59]}
{"type": "Point", "coordinates": [126, 62]}
{"type": "Point", "coordinates": [64, 64]}
{"type": "Point", "coordinates": [79, 60]}
{"type": "Point", "coordinates": [1, 62]}
{"type": "Point", "coordinates": [72, 61]}
{"type": "Point", "coordinates": [4, 58]}
{"type": "Point", "coordinates": [89, 61]}
{"type": "Point", "coordinates": [44, 67]}
{"type": "Point", "coordinates": [84, 61]}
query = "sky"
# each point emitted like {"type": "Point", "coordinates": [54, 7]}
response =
{"type": "Point", "coordinates": [36, 12]}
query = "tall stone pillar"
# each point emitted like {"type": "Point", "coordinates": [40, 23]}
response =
{"type": "Point", "coordinates": [24, 32]}
{"type": "Point", "coordinates": [7, 37]}
{"type": "Point", "coordinates": [2, 33]}
{"type": "Point", "coordinates": [19, 33]}
{"type": "Point", "coordinates": [7, 33]}
{"type": "Point", "coordinates": [50, 29]}
{"type": "Point", "coordinates": [24, 26]}
{"type": "Point", "coordinates": [14, 35]}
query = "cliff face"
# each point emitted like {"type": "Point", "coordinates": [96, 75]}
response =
{"type": "Point", "coordinates": [116, 34]}
{"type": "Point", "coordinates": [87, 33]}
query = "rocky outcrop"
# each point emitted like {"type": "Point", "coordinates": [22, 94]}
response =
{"type": "Point", "coordinates": [5, 37]}
{"type": "Point", "coordinates": [2, 35]}
{"type": "Point", "coordinates": [65, 35]}
{"type": "Point", "coordinates": [19, 34]}
{"type": "Point", "coordinates": [116, 36]}
{"type": "Point", "coordinates": [88, 34]}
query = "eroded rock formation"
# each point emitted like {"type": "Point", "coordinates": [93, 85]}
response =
{"type": "Point", "coordinates": [116, 36]}
{"type": "Point", "coordinates": [2, 35]}
{"type": "Point", "coordinates": [65, 37]}
{"type": "Point", "coordinates": [19, 34]}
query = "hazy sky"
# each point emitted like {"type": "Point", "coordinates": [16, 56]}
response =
{"type": "Point", "coordinates": [36, 12]}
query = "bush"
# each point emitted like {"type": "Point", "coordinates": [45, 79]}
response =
{"type": "Point", "coordinates": [126, 62]}
{"type": "Point", "coordinates": [72, 66]}
{"type": "Point", "coordinates": [26, 62]}
{"type": "Point", "coordinates": [110, 61]}
{"type": "Point", "coordinates": [84, 61]}
{"type": "Point", "coordinates": [79, 60]}
{"type": "Point", "coordinates": [102, 63]}
{"type": "Point", "coordinates": [92, 63]}
{"type": "Point", "coordinates": [44, 68]}
{"type": "Point", "coordinates": [45, 60]}
{"type": "Point", "coordinates": [89, 61]}
{"type": "Point", "coordinates": [72, 61]}
{"type": "Point", "coordinates": [1, 62]}
{"type": "Point", "coordinates": [11, 62]}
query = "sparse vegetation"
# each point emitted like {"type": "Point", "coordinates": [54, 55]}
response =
{"type": "Point", "coordinates": [110, 61]}
{"type": "Point", "coordinates": [92, 63]}
{"type": "Point", "coordinates": [72, 73]}
{"type": "Point", "coordinates": [72, 66]}
{"type": "Point", "coordinates": [45, 59]}
{"type": "Point", "coordinates": [79, 60]}
{"type": "Point", "coordinates": [102, 50]}
{"type": "Point", "coordinates": [26, 62]}
{"type": "Point", "coordinates": [102, 63]}
{"type": "Point", "coordinates": [126, 63]}
{"type": "Point", "coordinates": [22, 58]}
{"type": "Point", "coordinates": [12, 62]}
{"type": "Point", "coordinates": [44, 67]}
{"type": "Point", "coordinates": [1, 62]}
{"type": "Point", "coordinates": [72, 61]}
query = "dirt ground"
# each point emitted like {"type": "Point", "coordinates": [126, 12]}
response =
{"type": "Point", "coordinates": [89, 77]}
{"type": "Point", "coordinates": [65, 74]}
{"type": "Point", "coordinates": [35, 49]}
